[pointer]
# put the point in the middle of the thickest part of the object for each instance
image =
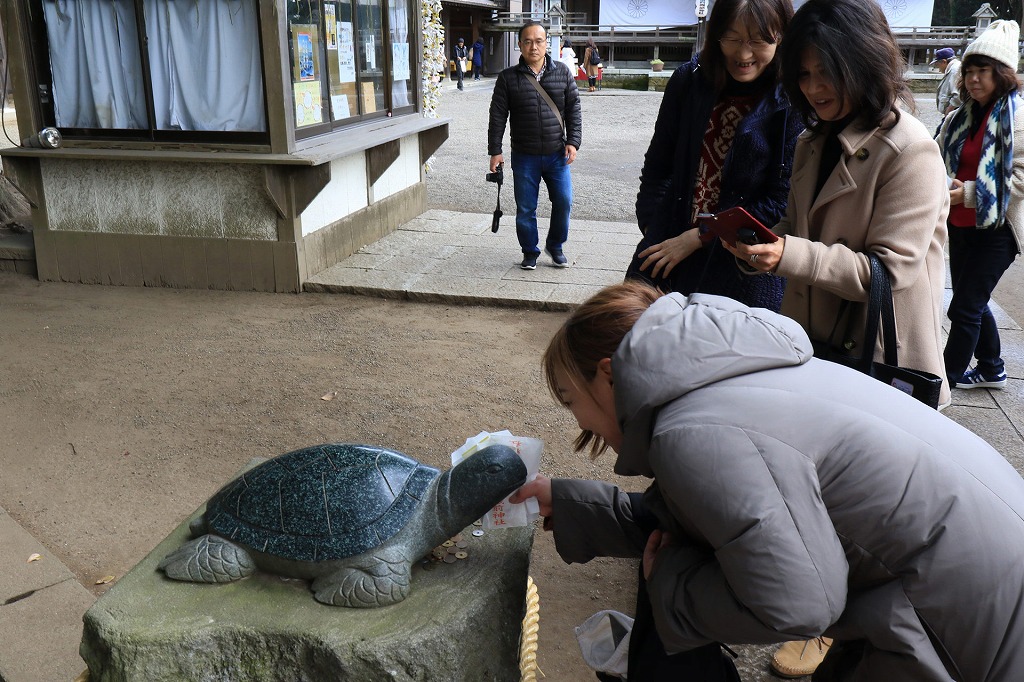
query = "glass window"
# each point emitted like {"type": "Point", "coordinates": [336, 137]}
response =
{"type": "Point", "coordinates": [351, 60]}
{"type": "Point", "coordinates": [164, 69]}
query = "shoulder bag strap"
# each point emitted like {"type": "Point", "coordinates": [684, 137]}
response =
{"type": "Point", "coordinates": [547, 98]}
{"type": "Point", "coordinates": [881, 275]}
{"type": "Point", "coordinates": [878, 291]}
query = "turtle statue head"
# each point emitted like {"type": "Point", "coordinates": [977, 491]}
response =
{"type": "Point", "coordinates": [351, 518]}
{"type": "Point", "coordinates": [467, 490]}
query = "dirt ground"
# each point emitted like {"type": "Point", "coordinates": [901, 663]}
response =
{"type": "Point", "coordinates": [126, 408]}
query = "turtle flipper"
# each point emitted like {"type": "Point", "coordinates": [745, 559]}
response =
{"type": "Point", "coordinates": [208, 559]}
{"type": "Point", "coordinates": [383, 579]}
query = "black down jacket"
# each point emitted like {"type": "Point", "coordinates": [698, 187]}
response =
{"type": "Point", "coordinates": [535, 129]}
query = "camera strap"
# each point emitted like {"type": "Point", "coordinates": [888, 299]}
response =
{"type": "Point", "coordinates": [497, 207]}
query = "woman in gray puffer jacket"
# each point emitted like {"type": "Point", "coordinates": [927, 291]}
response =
{"type": "Point", "coordinates": [794, 497]}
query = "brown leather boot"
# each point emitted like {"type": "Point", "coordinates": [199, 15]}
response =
{"type": "Point", "coordinates": [799, 659]}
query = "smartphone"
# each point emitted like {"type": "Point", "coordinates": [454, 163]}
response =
{"type": "Point", "coordinates": [736, 225]}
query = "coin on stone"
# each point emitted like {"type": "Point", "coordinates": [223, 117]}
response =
{"type": "Point", "coordinates": [450, 558]}
{"type": "Point", "coordinates": [462, 544]}
{"type": "Point", "coordinates": [438, 553]}
{"type": "Point", "coordinates": [478, 523]}
{"type": "Point", "coordinates": [477, 533]}
{"type": "Point", "coordinates": [447, 543]}
{"type": "Point", "coordinates": [452, 550]}
{"type": "Point", "coordinates": [455, 538]}
{"type": "Point", "coordinates": [461, 555]}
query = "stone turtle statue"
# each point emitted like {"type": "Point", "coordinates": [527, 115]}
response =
{"type": "Point", "coordinates": [351, 518]}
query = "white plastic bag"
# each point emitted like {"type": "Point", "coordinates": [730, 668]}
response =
{"type": "Point", "coordinates": [505, 514]}
{"type": "Point", "coordinates": [604, 642]}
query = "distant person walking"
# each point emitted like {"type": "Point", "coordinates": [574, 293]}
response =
{"type": "Point", "coordinates": [478, 59]}
{"type": "Point", "coordinates": [592, 63]}
{"type": "Point", "coordinates": [982, 143]}
{"type": "Point", "coordinates": [568, 57]}
{"type": "Point", "coordinates": [460, 54]}
{"type": "Point", "coordinates": [539, 98]}
{"type": "Point", "coordinates": [947, 97]}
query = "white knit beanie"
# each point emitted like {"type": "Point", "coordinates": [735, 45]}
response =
{"type": "Point", "coordinates": [1000, 41]}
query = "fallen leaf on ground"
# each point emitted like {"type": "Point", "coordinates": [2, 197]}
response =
{"type": "Point", "coordinates": [105, 580]}
{"type": "Point", "coordinates": [329, 396]}
{"type": "Point", "coordinates": [34, 557]}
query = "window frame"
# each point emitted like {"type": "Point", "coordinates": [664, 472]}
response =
{"type": "Point", "coordinates": [328, 124]}
{"type": "Point", "coordinates": [41, 70]}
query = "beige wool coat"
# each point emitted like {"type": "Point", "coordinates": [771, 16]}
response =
{"type": "Point", "coordinates": [887, 194]}
{"type": "Point", "coordinates": [591, 69]}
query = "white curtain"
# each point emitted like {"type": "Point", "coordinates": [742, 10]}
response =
{"type": "Point", "coordinates": [204, 63]}
{"type": "Point", "coordinates": [401, 53]}
{"type": "Point", "coordinates": [95, 64]}
{"type": "Point", "coordinates": [647, 13]}
{"type": "Point", "coordinates": [904, 13]}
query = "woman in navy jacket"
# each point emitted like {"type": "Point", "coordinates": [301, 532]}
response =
{"type": "Point", "coordinates": [725, 137]}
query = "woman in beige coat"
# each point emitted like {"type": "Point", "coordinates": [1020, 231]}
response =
{"type": "Point", "coordinates": [867, 178]}
{"type": "Point", "coordinates": [593, 70]}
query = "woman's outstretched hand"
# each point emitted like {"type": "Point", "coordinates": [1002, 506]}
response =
{"type": "Point", "coordinates": [539, 488]}
{"type": "Point", "coordinates": [767, 255]}
{"type": "Point", "coordinates": [662, 258]}
{"type": "Point", "coordinates": [655, 542]}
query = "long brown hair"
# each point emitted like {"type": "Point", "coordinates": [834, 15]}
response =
{"type": "Point", "coordinates": [859, 56]}
{"type": "Point", "coordinates": [592, 333]}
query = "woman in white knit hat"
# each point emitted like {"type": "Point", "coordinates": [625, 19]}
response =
{"type": "Point", "coordinates": [983, 146]}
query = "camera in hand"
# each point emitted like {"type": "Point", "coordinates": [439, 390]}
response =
{"type": "Point", "coordinates": [497, 176]}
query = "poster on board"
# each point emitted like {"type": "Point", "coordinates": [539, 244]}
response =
{"type": "Point", "coordinates": [332, 26]}
{"type": "Point", "coordinates": [400, 61]}
{"type": "Point", "coordinates": [308, 108]}
{"type": "Point", "coordinates": [305, 55]}
{"type": "Point", "coordinates": [346, 53]}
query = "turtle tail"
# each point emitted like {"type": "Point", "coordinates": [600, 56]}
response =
{"type": "Point", "coordinates": [208, 559]}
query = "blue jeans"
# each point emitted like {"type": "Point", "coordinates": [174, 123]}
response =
{"type": "Point", "coordinates": [977, 259]}
{"type": "Point", "coordinates": [527, 172]}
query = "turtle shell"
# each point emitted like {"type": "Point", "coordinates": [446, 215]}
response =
{"type": "Point", "coordinates": [321, 503]}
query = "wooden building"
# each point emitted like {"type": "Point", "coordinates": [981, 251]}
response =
{"type": "Point", "coordinates": [225, 144]}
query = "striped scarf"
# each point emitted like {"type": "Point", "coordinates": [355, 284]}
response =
{"type": "Point", "coordinates": [995, 168]}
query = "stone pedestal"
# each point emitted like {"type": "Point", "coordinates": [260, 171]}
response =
{"type": "Point", "coordinates": [461, 622]}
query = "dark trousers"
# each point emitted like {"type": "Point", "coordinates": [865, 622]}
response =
{"type": "Point", "coordinates": [977, 259]}
{"type": "Point", "coordinates": [461, 73]}
{"type": "Point", "coordinates": [648, 661]}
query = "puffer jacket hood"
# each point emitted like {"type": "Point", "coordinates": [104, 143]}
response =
{"type": "Point", "coordinates": [683, 343]}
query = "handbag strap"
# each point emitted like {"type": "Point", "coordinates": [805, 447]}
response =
{"type": "Point", "coordinates": [880, 275]}
{"type": "Point", "coordinates": [547, 98]}
{"type": "Point", "coordinates": [879, 308]}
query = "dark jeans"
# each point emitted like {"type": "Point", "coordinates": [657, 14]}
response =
{"type": "Point", "coordinates": [977, 259]}
{"type": "Point", "coordinates": [527, 172]}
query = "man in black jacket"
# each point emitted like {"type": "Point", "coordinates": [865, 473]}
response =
{"type": "Point", "coordinates": [541, 147]}
{"type": "Point", "coordinates": [460, 54]}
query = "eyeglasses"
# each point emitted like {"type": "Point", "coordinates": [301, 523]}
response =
{"type": "Point", "coordinates": [733, 44]}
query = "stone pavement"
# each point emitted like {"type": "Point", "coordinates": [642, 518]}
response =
{"type": "Point", "coordinates": [443, 256]}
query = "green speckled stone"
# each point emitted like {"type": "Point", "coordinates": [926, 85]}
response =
{"type": "Point", "coordinates": [321, 503]}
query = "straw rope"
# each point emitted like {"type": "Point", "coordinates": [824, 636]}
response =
{"type": "Point", "coordinates": [528, 667]}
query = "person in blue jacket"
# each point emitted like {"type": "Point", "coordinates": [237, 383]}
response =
{"type": "Point", "coordinates": [478, 58]}
{"type": "Point", "coordinates": [725, 136]}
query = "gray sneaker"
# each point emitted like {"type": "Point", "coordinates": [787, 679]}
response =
{"type": "Point", "coordinates": [529, 261]}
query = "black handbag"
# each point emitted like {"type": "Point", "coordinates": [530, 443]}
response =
{"type": "Point", "coordinates": [924, 386]}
